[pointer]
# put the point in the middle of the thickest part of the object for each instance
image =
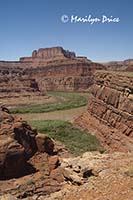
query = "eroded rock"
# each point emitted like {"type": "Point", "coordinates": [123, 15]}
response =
{"type": "Point", "coordinates": [7, 197]}
{"type": "Point", "coordinates": [110, 111]}
{"type": "Point", "coordinates": [18, 143]}
{"type": "Point", "coordinates": [44, 143]}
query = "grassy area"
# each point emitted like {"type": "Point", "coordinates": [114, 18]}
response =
{"type": "Point", "coordinates": [64, 101]}
{"type": "Point", "coordinates": [75, 140]}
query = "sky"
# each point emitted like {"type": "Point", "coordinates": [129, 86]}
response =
{"type": "Point", "coordinates": [26, 25]}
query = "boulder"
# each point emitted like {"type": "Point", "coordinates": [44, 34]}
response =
{"type": "Point", "coordinates": [44, 143]}
{"type": "Point", "coordinates": [57, 175]}
{"type": "Point", "coordinates": [53, 162]}
{"type": "Point", "coordinates": [12, 158]}
{"type": "Point", "coordinates": [26, 136]}
{"type": "Point", "coordinates": [18, 143]}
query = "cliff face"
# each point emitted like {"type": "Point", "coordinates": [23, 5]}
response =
{"type": "Point", "coordinates": [52, 69]}
{"type": "Point", "coordinates": [66, 76]}
{"type": "Point", "coordinates": [44, 54]}
{"type": "Point", "coordinates": [130, 68]}
{"type": "Point", "coordinates": [125, 65]}
{"type": "Point", "coordinates": [110, 110]}
{"type": "Point", "coordinates": [13, 82]}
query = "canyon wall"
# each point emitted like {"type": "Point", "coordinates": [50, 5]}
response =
{"type": "Point", "coordinates": [53, 69]}
{"type": "Point", "coordinates": [130, 68]}
{"type": "Point", "coordinates": [126, 65]}
{"type": "Point", "coordinates": [110, 110]}
{"type": "Point", "coordinates": [72, 76]}
{"type": "Point", "coordinates": [14, 82]}
{"type": "Point", "coordinates": [48, 54]}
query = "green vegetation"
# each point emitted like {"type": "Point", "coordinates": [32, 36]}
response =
{"type": "Point", "coordinates": [75, 140]}
{"type": "Point", "coordinates": [64, 101]}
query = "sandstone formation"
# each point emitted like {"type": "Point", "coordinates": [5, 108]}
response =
{"type": "Point", "coordinates": [18, 143]}
{"type": "Point", "coordinates": [119, 65]}
{"type": "Point", "coordinates": [65, 76]}
{"type": "Point", "coordinates": [29, 165]}
{"type": "Point", "coordinates": [90, 176]}
{"type": "Point", "coordinates": [48, 69]}
{"type": "Point", "coordinates": [130, 68]}
{"type": "Point", "coordinates": [44, 54]}
{"type": "Point", "coordinates": [110, 110]}
{"type": "Point", "coordinates": [14, 83]}
{"type": "Point", "coordinates": [108, 176]}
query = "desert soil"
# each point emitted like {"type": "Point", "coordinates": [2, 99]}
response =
{"type": "Point", "coordinates": [66, 115]}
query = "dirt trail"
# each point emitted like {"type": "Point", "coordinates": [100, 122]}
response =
{"type": "Point", "coordinates": [66, 115]}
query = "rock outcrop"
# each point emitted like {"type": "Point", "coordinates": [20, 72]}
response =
{"type": "Point", "coordinates": [110, 110]}
{"type": "Point", "coordinates": [102, 177]}
{"type": "Point", "coordinates": [48, 69]}
{"type": "Point", "coordinates": [119, 65]}
{"type": "Point", "coordinates": [18, 143]}
{"type": "Point", "coordinates": [29, 164]}
{"type": "Point", "coordinates": [130, 68]}
{"type": "Point", "coordinates": [48, 54]}
{"type": "Point", "coordinates": [89, 176]}
{"type": "Point", "coordinates": [72, 75]}
{"type": "Point", "coordinates": [14, 83]}
{"type": "Point", "coordinates": [22, 86]}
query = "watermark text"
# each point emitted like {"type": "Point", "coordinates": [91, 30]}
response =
{"type": "Point", "coordinates": [89, 19]}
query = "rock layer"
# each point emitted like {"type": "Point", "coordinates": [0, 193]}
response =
{"type": "Point", "coordinates": [14, 83]}
{"type": "Point", "coordinates": [48, 69]}
{"type": "Point", "coordinates": [110, 110]}
{"type": "Point", "coordinates": [48, 54]}
{"type": "Point", "coordinates": [126, 65]}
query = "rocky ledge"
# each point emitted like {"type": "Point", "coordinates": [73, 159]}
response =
{"type": "Point", "coordinates": [110, 110]}
{"type": "Point", "coordinates": [90, 176]}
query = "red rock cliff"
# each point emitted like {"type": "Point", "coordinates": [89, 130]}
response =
{"type": "Point", "coordinates": [110, 110]}
{"type": "Point", "coordinates": [52, 69]}
{"type": "Point", "coordinates": [48, 54]}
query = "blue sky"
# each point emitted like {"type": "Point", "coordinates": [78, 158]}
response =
{"type": "Point", "coordinates": [26, 25]}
